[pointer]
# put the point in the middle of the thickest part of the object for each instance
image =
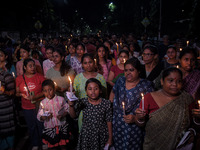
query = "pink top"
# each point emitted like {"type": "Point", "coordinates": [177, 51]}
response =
{"type": "Point", "coordinates": [149, 104]}
{"type": "Point", "coordinates": [19, 66]}
{"type": "Point", "coordinates": [47, 64]}
{"type": "Point", "coordinates": [106, 68]}
{"type": "Point", "coordinates": [53, 106]}
{"type": "Point", "coordinates": [116, 70]}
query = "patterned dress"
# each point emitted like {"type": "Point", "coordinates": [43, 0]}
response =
{"type": "Point", "coordinates": [76, 65]}
{"type": "Point", "coordinates": [128, 136]}
{"type": "Point", "coordinates": [94, 132]}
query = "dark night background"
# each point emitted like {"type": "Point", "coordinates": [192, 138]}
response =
{"type": "Point", "coordinates": [90, 16]}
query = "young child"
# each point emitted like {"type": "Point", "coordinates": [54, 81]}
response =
{"type": "Point", "coordinates": [52, 111]}
{"type": "Point", "coordinates": [96, 131]}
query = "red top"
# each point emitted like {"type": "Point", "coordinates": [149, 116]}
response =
{"type": "Point", "coordinates": [116, 70]}
{"type": "Point", "coordinates": [149, 104]}
{"type": "Point", "coordinates": [34, 85]}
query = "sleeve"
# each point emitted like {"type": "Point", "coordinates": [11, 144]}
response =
{"type": "Point", "coordinates": [108, 111]}
{"type": "Point", "coordinates": [112, 69]}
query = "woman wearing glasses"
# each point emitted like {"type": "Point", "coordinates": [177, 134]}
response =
{"type": "Point", "coordinates": [152, 68]}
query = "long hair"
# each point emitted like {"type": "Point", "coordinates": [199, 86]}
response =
{"type": "Point", "coordinates": [8, 60]}
{"type": "Point", "coordinates": [64, 68]}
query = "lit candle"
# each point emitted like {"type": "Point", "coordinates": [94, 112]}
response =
{"type": "Point", "coordinates": [40, 40]}
{"type": "Point", "coordinates": [123, 106]}
{"type": "Point", "coordinates": [70, 84]}
{"type": "Point", "coordinates": [188, 43]}
{"type": "Point", "coordinates": [0, 83]}
{"type": "Point", "coordinates": [25, 88]}
{"type": "Point", "coordinates": [42, 106]}
{"type": "Point", "coordinates": [13, 74]}
{"type": "Point", "coordinates": [55, 84]}
{"type": "Point", "coordinates": [177, 66]}
{"type": "Point", "coordinates": [117, 47]}
{"type": "Point", "coordinates": [121, 44]}
{"type": "Point", "coordinates": [199, 103]}
{"type": "Point", "coordinates": [66, 47]}
{"type": "Point", "coordinates": [142, 101]}
{"type": "Point", "coordinates": [180, 49]}
{"type": "Point", "coordinates": [124, 60]}
{"type": "Point", "coordinates": [95, 60]}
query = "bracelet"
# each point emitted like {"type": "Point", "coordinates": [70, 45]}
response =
{"type": "Point", "coordinates": [195, 122]}
{"type": "Point", "coordinates": [140, 122]}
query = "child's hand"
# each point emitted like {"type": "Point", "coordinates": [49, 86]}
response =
{"type": "Point", "coordinates": [129, 118]}
{"type": "Point", "coordinates": [71, 103]}
{"type": "Point", "coordinates": [2, 89]}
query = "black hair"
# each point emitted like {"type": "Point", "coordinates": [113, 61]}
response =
{"type": "Point", "coordinates": [169, 70]}
{"type": "Point", "coordinates": [95, 81]}
{"type": "Point", "coordinates": [48, 82]}
{"type": "Point", "coordinates": [35, 52]}
{"type": "Point", "coordinates": [152, 48]}
{"type": "Point", "coordinates": [81, 44]}
{"type": "Point", "coordinates": [171, 46]}
{"type": "Point", "coordinates": [49, 47]}
{"type": "Point", "coordinates": [124, 51]}
{"type": "Point", "coordinates": [87, 55]}
{"type": "Point", "coordinates": [64, 68]}
{"type": "Point", "coordinates": [26, 61]}
{"type": "Point", "coordinates": [25, 47]}
{"type": "Point", "coordinates": [188, 50]}
{"type": "Point", "coordinates": [8, 60]}
{"type": "Point", "coordinates": [134, 62]}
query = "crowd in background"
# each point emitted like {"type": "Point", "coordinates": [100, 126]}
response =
{"type": "Point", "coordinates": [133, 93]}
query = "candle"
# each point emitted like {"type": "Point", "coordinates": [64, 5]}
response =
{"type": "Point", "coordinates": [40, 40]}
{"type": "Point", "coordinates": [70, 84]}
{"type": "Point", "coordinates": [124, 60]}
{"type": "Point", "coordinates": [117, 47]}
{"type": "Point", "coordinates": [55, 84]}
{"type": "Point", "coordinates": [42, 106]}
{"type": "Point", "coordinates": [0, 83]}
{"type": "Point", "coordinates": [142, 101]}
{"type": "Point", "coordinates": [188, 43]}
{"type": "Point", "coordinates": [121, 44]}
{"type": "Point", "coordinates": [199, 103]}
{"type": "Point", "coordinates": [123, 106]}
{"type": "Point", "coordinates": [13, 74]}
{"type": "Point", "coordinates": [25, 88]}
{"type": "Point", "coordinates": [95, 60]}
{"type": "Point", "coordinates": [177, 66]}
{"type": "Point", "coordinates": [66, 47]}
{"type": "Point", "coordinates": [180, 49]}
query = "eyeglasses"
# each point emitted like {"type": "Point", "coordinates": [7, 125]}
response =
{"type": "Point", "coordinates": [147, 54]}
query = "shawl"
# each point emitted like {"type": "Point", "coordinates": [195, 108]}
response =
{"type": "Point", "coordinates": [166, 125]}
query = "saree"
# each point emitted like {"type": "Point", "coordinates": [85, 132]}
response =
{"type": "Point", "coordinates": [166, 125]}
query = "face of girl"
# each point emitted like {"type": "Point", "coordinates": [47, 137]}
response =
{"type": "Point", "coordinates": [24, 54]}
{"type": "Point", "coordinates": [49, 54]}
{"type": "Point", "coordinates": [101, 52]}
{"type": "Point", "coordinates": [148, 56]}
{"type": "Point", "coordinates": [187, 62]}
{"type": "Point", "coordinates": [88, 64]}
{"type": "Point", "coordinates": [171, 53]}
{"type": "Point", "coordinates": [107, 44]}
{"type": "Point", "coordinates": [48, 91]}
{"type": "Point", "coordinates": [131, 47]}
{"type": "Point", "coordinates": [80, 51]}
{"type": "Point", "coordinates": [131, 73]}
{"type": "Point", "coordinates": [123, 57]}
{"type": "Point", "coordinates": [172, 84]}
{"type": "Point", "coordinates": [30, 67]}
{"type": "Point", "coordinates": [72, 49]}
{"type": "Point", "coordinates": [93, 91]}
{"type": "Point", "coordinates": [3, 57]}
{"type": "Point", "coordinates": [57, 58]}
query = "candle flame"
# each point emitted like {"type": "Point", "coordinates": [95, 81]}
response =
{"type": "Point", "coordinates": [13, 74]}
{"type": "Point", "coordinates": [188, 42]}
{"type": "Point", "coordinates": [199, 102]}
{"type": "Point", "coordinates": [25, 88]}
{"type": "Point", "coordinates": [42, 105]}
{"type": "Point", "coordinates": [55, 83]}
{"type": "Point", "coordinates": [180, 49]}
{"type": "Point", "coordinates": [69, 79]}
{"type": "Point", "coordinates": [177, 66]}
{"type": "Point", "coordinates": [123, 104]}
{"type": "Point", "coordinates": [95, 60]}
{"type": "Point", "coordinates": [116, 43]}
{"type": "Point", "coordinates": [124, 60]}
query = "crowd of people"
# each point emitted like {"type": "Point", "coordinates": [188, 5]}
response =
{"type": "Point", "coordinates": [131, 94]}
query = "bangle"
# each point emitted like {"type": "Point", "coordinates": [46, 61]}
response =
{"type": "Point", "coordinates": [195, 122]}
{"type": "Point", "coordinates": [140, 122]}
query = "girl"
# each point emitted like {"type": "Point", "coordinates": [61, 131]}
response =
{"type": "Point", "coordinates": [118, 69]}
{"type": "Point", "coordinates": [60, 72]}
{"type": "Point", "coordinates": [76, 60]}
{"type": "Point", "coordinates": [55, 133]}
{"type": "Point", "coordinates": [29, 88]}
{"type": "Point", "coordinates": [72, 52]}
{"type": "Point", "coordinates": [24, 53]}
{"type": "Point", "coordinates": [96, 131]}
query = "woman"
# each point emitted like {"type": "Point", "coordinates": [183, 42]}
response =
{"type": "Point", "coordinates": [128, 89]}
{"type": "Point", "coordinates": [60, 73]}
{"type": "Point", "coordinates": [118, 69]}
{"type": "Point", "coordinates": [80, 79]}
{"type": "Point", "coordinates": [7, 110]}
{"type": "Point", "coordinates": [164, 131]}
{"type": "Point", "coordinates": [72, 52]}
{"type": "Point", "coordinates": [76, 60]}
{"type": "Point", "coordinates": [103, 64]}
{"type": "Point", "coordinates": [171, 55]}
{"type": "Point", "coordinates": [6, 63]}
{"type": "Point", "coordinates": [29, 88]}
{"type": "Point", "coordinates": [152, 68]}
{"type": "Point", "coordinates": [25, 54]}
